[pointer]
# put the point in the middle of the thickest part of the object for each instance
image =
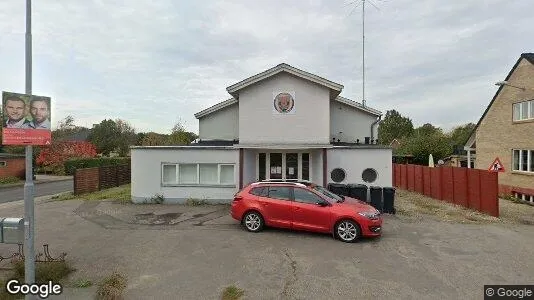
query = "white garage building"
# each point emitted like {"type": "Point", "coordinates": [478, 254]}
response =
{"type": "Point", "coordinates": [283, 123]}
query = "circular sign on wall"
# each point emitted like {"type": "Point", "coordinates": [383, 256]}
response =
{"type": "Point", "coordinates": [284, 103]}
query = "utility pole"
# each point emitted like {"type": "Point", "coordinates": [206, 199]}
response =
{"type": "Point", "coordinates": [29, 256]}
{"type": "Point", "coordinates": [363, 53]}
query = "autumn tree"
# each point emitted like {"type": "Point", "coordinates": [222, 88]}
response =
{"type": "Point", "coordinates": [52, 158]}
{"type": "Point", "coordinates": [394, 126]}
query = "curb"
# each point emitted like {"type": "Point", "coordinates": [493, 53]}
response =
{"type": "Point", "coordinates": [6, 186]}
{"type": "Point", "coordinates": [36, 200]}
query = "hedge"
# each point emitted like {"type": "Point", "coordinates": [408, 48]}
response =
{"type": "Point", "coordinates": [73, 164]}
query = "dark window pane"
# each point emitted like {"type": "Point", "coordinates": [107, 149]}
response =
{"type": "Point", "coordinates": [304, 196]}
{"type": "Point", "coordinates": [276, 165]}
{"type": "Point", "coordinates": [305, 166]}
{"type": "Point", "coordinates": [259, 191]}
{"type": "Point", "coordinates": [292, 166]}
{"type": "Point", "coordinates": [279, 192]}
{"type": "Point", "coordinates": [261, 167]}
{"type": "Point", "coordinates": [516, 160]}
{"type": "Point", "coordinates": [524, 162]}
{"type": "Point", "coordinates": [531, 160]}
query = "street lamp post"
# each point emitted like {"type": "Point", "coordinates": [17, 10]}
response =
{"type": "Point", "coordinates": [29, 257]}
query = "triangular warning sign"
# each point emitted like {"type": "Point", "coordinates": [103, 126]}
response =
{"type": "Point", "coordinates": [496, 166]}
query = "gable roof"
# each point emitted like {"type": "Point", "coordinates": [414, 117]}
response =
{"type": "Point", "coordinates": [530, 58]}
{"type": "Point", "coordinates": [232, 101]}
{"type": "Point", "coordinates": [283, 67]}
{"type": "Point", "coordinates": [215, 108]}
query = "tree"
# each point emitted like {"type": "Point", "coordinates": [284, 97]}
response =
{"type": "Point", "coordinates": [127, 137]}
{"type": "Point", "coordinates": [105, 136]}
{"type": "Point", "coordinates": [394, 126]}
{"type": "Point", "coordinates": [154, 139]}
{"type": "Point", "coordinates": [66, 128]}
{"type": "Point", "coordinates": [460, 134]}
{"type": "Point", "coordinates": [428, 129]}
{"type": "Point", "coordinates": [52, 158]}
{"type": "Point", "coordinates": [179, 135]}
{"type": "Point", "coordinates": [426, 140]}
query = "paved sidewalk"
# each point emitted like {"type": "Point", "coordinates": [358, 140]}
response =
{"type": "Point", "coordinates": [39, 179]}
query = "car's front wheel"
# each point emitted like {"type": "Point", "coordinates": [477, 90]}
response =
{"type": "Point", "coordinates": [253, 221]}
{"type": "Point", "coordinates": [347, 231]}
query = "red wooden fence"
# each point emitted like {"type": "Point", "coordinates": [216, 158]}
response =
{"type": "Point", "coordinates": [472, 188]}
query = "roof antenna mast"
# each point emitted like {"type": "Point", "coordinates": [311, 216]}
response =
{"type": "Point", "coordinates": [362, 3]}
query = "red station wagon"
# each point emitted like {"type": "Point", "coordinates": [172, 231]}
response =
{"type": "Point", "coordinates": [305, 206]}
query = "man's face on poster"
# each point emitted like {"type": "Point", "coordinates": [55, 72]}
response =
{"type": "Point", "coordinates": [39, 111]}
{"type": "Point", "coordinates": [15, 109]}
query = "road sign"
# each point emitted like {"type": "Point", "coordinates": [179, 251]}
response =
{"type": "Point", "coordinates": [496, 166]}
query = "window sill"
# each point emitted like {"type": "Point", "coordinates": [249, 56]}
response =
{"type": "Point", "coordinates": [523, 121]}
{"type": "Point", "coordinates": [523, 173]}
{"type": "Point", "coordinates": [199, 185]}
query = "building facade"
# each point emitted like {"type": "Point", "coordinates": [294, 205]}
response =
{"type": "Point", "coordinates": [12, 165]}
{"type": "Point", "coordinates": [283, 123]}
{"type": "Point", "coordinates": [504, 136]}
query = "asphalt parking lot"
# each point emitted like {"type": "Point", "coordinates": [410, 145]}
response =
{"type": "Point", "coordinates": [180, 252]}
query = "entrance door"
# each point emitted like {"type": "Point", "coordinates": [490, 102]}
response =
{"type": "Point", "coordinates": [290, 166]}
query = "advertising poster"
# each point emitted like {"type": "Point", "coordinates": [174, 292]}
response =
{"type": "Point", "coordinates": [25, 120]}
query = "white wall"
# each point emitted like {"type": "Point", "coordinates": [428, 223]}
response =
{"type": "Point", "coordinates": [355, 160]}
{"type": "Point", "coordinates": [309, 124]}
{"type": "Point", "coordinates": [222, 124]}
{"type": "Point", "coordinates": [249, 166]}
{"type": "Point", "coordinates": [146, 173]}
{"type": "Point", "coordinates": [352, 122]}
{"type": "Point", "coordinates": [317, 166]}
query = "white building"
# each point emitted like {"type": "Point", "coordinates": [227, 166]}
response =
{"type": "Point", "coordinates": [283, 123]}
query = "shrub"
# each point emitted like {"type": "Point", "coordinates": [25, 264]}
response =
{"type": "Point", "coordinates": [73, 164]}
{"type": "Point", "coordinates": [9, 179]}
{"type": "Point", "coordinates": [52, 158]}
{"type": "Point", "coordinates": [111, 287]}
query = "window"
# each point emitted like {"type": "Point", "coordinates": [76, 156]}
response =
{"type": "Point", "coordinates": [188, 174]}
{"type": "Point", "coordinates": [304, 196]}
{"type": "Point", "coordinates": [201, 174]}
{"type": "Point", "coordinates": [369, 175]}
{"type": "Point", "coordinates": [3, 163]}
{"type": "Point", "coordinates": [260, 191]}
{"type": "Point", "coordinates": [279, 192]}
{"type": "Point", "coordinates": [523, 160]}
{"type": "Point", "coordinates": [337, 175]}
{"type": "Point", "coordinates": [523, 110]}
{"type": "Point", "coordinates": [169, 174]}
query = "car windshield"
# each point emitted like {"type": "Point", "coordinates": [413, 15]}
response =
{"type": "Point", "coordinates": [327, 193]}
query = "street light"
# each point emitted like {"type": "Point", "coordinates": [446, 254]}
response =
{"type": "Point", "coordinates": [501, 83]}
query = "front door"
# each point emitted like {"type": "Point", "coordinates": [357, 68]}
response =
{"type": "Point", "coordinates": [289, 166]}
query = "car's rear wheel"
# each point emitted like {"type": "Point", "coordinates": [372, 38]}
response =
{"type": "Point", "coordinates": [253, 221]}
{"type": "Point", "coordinates": [347, 231]}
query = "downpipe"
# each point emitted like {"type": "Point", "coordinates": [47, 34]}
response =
{"type": "Point", "coordinates": [378, 120]}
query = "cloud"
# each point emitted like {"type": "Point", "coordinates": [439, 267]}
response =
{"type": "Point", "coordinates": [155, 62]}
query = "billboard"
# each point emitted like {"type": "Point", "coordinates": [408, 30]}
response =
{"type": "Point", "coordinates": [25, 121]}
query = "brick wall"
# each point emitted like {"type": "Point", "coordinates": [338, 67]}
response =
{"type": "Point", "coordinates": [86, 180]}
{"type": "Point", "coordinates": [497, 134]}
{"type": "Point", "coordinates": [14, 167]}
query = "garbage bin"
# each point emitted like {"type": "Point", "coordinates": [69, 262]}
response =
{"type": "Point", "coordinates": [376, 197]}
{"type": "Point", "coordinates": [358, 191]}
{"type": "Point", "coordinates": [338, 189]}
{"type": "Point", "coordinates": [389, 200]}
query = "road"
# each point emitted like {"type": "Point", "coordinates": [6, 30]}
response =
{"type": "Point", "coordinates": [41, 189]}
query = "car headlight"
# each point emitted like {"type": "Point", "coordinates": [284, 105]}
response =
{"type": "Point", "coordinates": [370, 215]}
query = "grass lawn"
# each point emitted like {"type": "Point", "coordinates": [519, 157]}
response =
{"type": "Point", "coordinates": [414, 205]}
{"type": "Point", "coordinates": [9, 180]}
{"type": "Point", "coordinates": [121, 193]}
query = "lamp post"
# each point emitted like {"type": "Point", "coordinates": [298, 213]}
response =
{"type": "Point", "coordinates": [503, 83]}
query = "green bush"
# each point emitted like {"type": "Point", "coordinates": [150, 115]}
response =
{"type": "Point", "coordinates": [73, 164]}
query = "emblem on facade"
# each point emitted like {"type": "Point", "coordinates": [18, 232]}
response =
{"type": "Point", "coordinates": [284, 103]}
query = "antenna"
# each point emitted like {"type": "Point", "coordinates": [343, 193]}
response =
{"type": "Point", "coordinates": [362, 3]}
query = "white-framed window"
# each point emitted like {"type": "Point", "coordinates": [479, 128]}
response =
{"type": "Point", "coordinates": [523, 110]}
{"type": "Point", "coordinates": [523, 160]}
{"type": "Point", "coordinates": [197, 174]}
{"type": "Point", "coordinates": [3, 164]}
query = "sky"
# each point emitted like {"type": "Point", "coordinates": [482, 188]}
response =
{"type": "Point", "coordinates": [154, 63]}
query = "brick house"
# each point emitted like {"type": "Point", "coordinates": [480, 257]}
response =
{"type": "Point", "coordinates": [12, 165]}
{"type": "Point", "coordinates": [506, 131]}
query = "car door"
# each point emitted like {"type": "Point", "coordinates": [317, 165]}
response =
{"type": "Point", "coordinates": [275, 201]}
{"type": "Point", "coordinates": [307, 214]}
